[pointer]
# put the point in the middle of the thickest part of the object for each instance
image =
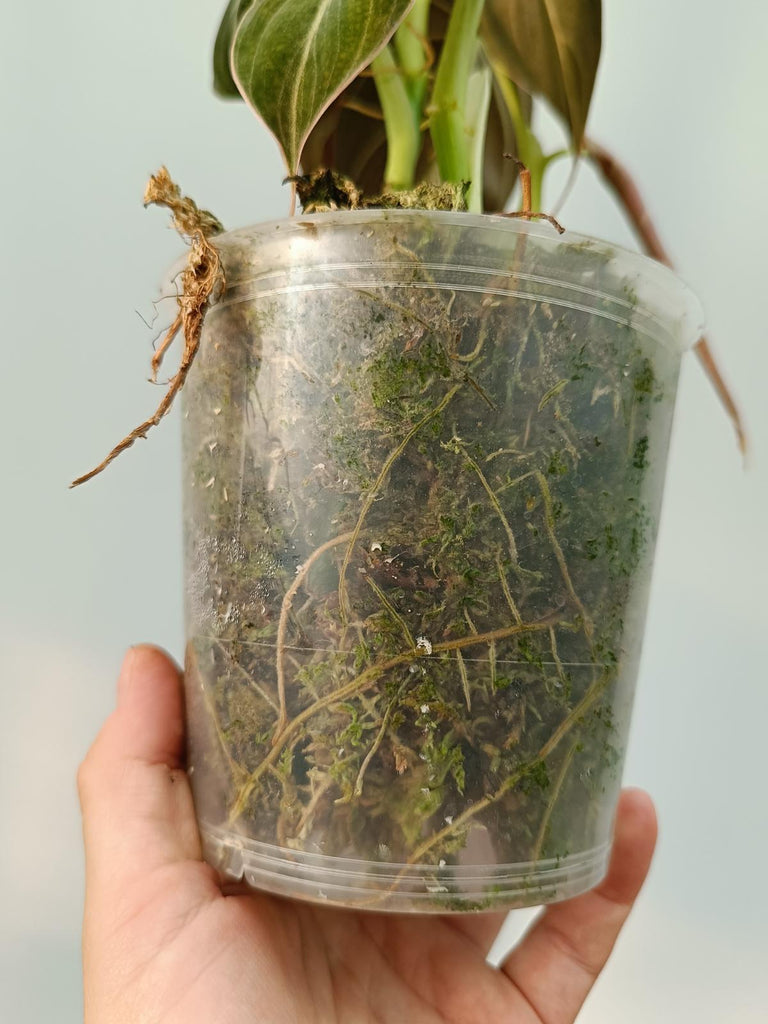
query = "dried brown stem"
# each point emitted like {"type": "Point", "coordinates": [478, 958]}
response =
{"type": "Point", "coordinates": [282, 626]}
{"type": "Point", "coordinates": [375, 745]}
{"type": "Point", "coordinates": [554, 796]}
{"type": "Point", "coordinates": [507, 592]}
{"type": "Point", "coordinates": [555, 655]}
{"type": "Point", "coordinates": [527, 213]}
{"type": "Point", "coordinates": [162, 348]}
{"type": "Point", "coordinates": [464, 680]}
{"type": "Point", "coordinates": [407, 635]}
{"type": "Point", "coordinates": [374, 490]}
{"type": "Point", "coordinates": [549, 520]}
{"type": "Point", "coordinates": [712, 370]}
{"type": "Point", "coordinates": [618, 178]}
{"type": "Point", "coordinates": [525, 185]}
{"type": "Point", "coordinates": [317, 796]}
{"type": "Point", "coordinates": [456, 444]}
{"type": "Point", "coordinates": [252, 683]}
{"type": "Point", "coordinates": [520, 215]}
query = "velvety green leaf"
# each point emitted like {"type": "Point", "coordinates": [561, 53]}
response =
{"type": "Point", "coordinates": [291, 58]}
{"type": "Point", "coordinates": [550, 48]}
{"type": "Point", "coordinates": [223, 82]}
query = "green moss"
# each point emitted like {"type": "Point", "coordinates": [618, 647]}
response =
{"type": "Point", "coordinates": [526, 502]}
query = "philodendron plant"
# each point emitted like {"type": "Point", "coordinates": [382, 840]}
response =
{"type": "Point", "coordinates": [392, 93]}
{"type": "Point", "coordinates": [423, 461]}
{"type": "Point", "coordinates": [403, 103]}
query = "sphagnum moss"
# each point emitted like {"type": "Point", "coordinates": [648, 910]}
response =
{"type": "Point", "coordinates": [436, 502]}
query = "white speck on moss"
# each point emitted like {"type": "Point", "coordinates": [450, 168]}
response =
{"type": "Point", "coordinates": [423, 644]}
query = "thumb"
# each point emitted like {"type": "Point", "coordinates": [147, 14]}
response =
{"type": "Point", "coordinates": [135, 796]}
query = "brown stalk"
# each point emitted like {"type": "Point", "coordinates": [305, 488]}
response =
{"type": "Point", "coordinates": [549, 521]}
{"type": "Point", "coordinates": [527, 213]}
{"type": "Point", "coordinates": [282, 628]}
{"type": "Point", "coordinates": [628, 195]}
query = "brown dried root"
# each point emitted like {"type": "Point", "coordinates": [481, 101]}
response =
{"type": "Point", "coordinates": [188, 218]}
{"type": "Point", "coordinates": [202, 278]}
{"type": "Point", "coordinates": [627, 193]}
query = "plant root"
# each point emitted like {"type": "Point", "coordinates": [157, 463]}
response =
{"type": "Point", "coordinates": [374, 490]}
{"type": "Point", "coordinates": [290, 594]}
{"type": "Point", "coordinates": [201, 279]}
{"type": "Point", "coordinates": [366, 679]}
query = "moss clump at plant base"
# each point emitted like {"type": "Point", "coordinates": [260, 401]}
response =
{"type": "Point", "coordinates": [419, 528]}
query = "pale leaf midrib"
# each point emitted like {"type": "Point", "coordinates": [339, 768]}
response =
{"type": "Point", "coordinates": [298, 80]}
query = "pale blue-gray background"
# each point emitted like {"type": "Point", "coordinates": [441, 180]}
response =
{"type": "Point", "coordinates": [94, 97]}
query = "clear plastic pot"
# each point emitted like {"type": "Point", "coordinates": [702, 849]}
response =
{"type": "Point", "coordinates": [424, 456]}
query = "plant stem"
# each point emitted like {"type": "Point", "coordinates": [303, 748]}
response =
{"type": "Point", "coordinates": [413, 53]}
{"type": "Point", "coordinates": [549, 520]}
{"type": "Point", "coordinates": [400, 120]}
{"type": "Point", "coordinates": [528, 147]}
{"type": "Point", "coordinates": [376, 744]}
{"type": "Point", "coordinates": [391, 609]}
{"type": "Point", "coordinates": [556, 789]}
{"type": "Point", "coordinates": [464, 680]}
{"type": "Point", "coordinates": [374, 490]}
{"type": "Point", "coordinates": [507, 592]}
{"type": "Point", "coordinates": [447, 122]}
{"type": "Point", "coordinates": [282, 627]}
{"type": "Point", "coordinates": [556, 657]}
{"type": "Point", "coordinates": [191, 669]}
{"type": "Point", "coordinates": [457, 446]}
{"type": "Point", "coordinates": [252, 684]}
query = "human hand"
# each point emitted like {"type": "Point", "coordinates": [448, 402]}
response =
{"type": "Point", "coordinates": [163, 944]}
